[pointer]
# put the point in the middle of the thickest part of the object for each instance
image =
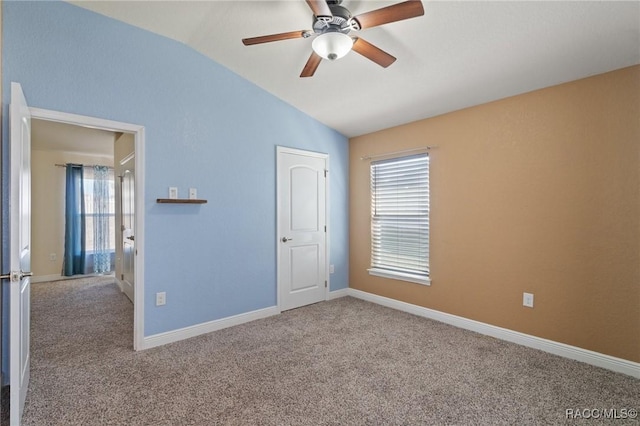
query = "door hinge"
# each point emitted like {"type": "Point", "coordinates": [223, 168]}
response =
{"type": "Point", "coordinates": [325, 172]}
{"type": "Point", "coordinates": [325, 283]}
{"type": "Point", "coordinates": [325, 228]}
{"type": "Point", "coordinates": [121, 277]}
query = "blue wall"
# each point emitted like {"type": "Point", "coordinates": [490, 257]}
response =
{"type": "Point", "coordinates": [206, 127]}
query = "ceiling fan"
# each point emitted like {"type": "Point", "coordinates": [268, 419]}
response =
{"type": "Point", "coordinates": [332, 24]}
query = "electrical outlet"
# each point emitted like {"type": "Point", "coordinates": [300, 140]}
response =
{"type": "Point", "coordinates": [53, 257]}
{"type": "Point", "coordinates": [527, 300]}
{"type": "Point", "coordinates": [173, 192]}
{"type": "Point", "coordinates": [193, 193]}
{"type": "Point", "coordinates": [161, 298]}
{"type": "Point", "coordinates": [332, 269]}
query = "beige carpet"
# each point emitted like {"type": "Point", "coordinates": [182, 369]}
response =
{"type": "Point", "coordinates": [333, 363]}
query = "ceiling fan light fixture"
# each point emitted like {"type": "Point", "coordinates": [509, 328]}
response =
{"type": "Point", "coordinates": [332, 45]}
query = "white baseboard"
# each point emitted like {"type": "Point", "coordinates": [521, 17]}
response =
{"type": "Point", "coordinates": [207, 327]}
{"type": "Point", "coordinates": [58, 277]}
{"type": "Point", "coordinates": [561, 349]}
{"type": "Point", "coordinates": [567, 351]}
{"type": "Point", "coordinates": [43, 278]}
{"type": "Point", "coordinates": [120, 285]}
{"type": "Point", "coordinates": [338, 293]}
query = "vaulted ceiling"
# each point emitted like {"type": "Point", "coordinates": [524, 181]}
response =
{"type": "Point", "coordinates": [458, 54]}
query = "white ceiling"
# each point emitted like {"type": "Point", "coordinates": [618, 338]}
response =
{"type": "Point", "coordinates": [53, 136]}
{"type": "Point", "coordinates": [457, 55]}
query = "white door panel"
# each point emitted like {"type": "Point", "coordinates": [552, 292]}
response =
{"type": "Point", "coordinates": [127, 194]}
{"type": "Point", "coordinates": [304, 195]}
{"type": "Point", "coordinates": [20, 251]}
{"type": "Point", "coordinates": [305, 267]}
{"type": "Point", "coordinates": [302, 238]}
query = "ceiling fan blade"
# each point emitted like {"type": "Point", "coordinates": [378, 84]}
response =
{"type": "Point", "coordinates": [320, 8]}
{"type": "Point", "coordinates": [273, 37]}
{"type": "Point", "coordinates": [373, 53]}
{"type": "Point", "coordinates": [393, 13]}
{"type": "Point", "coordinates": [311, 65]}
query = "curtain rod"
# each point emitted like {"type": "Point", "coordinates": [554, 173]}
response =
{"type": "Point", "coordinates": [84, 165]}
{"type": "Point", "coordinates": [406, 151]}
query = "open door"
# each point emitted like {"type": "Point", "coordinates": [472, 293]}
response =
{"type": "Point", "coordinates": [20, 251]}
{"type": "Point", "coordinates": [127, 194]}
{"type": "Point", "coordinates": [124, 167]}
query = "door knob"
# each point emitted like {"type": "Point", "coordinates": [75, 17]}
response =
{"type": "Point", "coordinates": [285, 239]}
{"type": "Point", "coordinates": [130, 238]}
{"type": "Point", "coordinates": [16, 276]}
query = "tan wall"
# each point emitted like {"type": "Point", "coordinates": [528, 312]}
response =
{"type": "Point", "coordinates": [536, 193]}
{"type": "Point", "coordinates": [47, 207]}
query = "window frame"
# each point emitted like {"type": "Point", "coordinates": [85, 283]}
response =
{"type": "Point", "coordinates": [398, 273]}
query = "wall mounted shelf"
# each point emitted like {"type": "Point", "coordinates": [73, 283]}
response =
{"type": "Point", "coordinates": [179, 201]}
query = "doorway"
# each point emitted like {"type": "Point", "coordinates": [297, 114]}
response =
{"type": "Point", "coordinates": [53, 147]}
{"type": "Point", "coordinates": [135, 161]}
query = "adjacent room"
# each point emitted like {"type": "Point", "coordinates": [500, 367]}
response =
{"type": "Point", "coordinates": [320, 212]}
{"type": "Point", "coordinates": [66, 162]}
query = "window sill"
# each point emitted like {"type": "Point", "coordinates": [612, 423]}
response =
{"type": "Point", "coordinates": [418, 279]}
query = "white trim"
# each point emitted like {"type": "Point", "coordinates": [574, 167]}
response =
{"type": "Point", "coordinates": [138, 285]}
{"type": "Point", "coordinates": [83, 120]}
{"type": "Point", "coordinates": [207, 327]}
{"type": "Point", "coordinates": [45, 278]}
{"type": "Point", "coordinates": [402, 276]}
{"type": "Point", "coordinates": [127, 158]}
{"type": "Point", "coordinates": [120, 285]}
{"type": "Point", "coordinates": [327, 224]}
{"type": "Point", "coordinates": [58, 277]}
{"type": "Point", "coordinates": [567, 351]}
{"type": "Point", "coordinates": [325, 157]}
{"type": "Point", "coordinates": [139, 136]}
{"type": "Point", "coordinates": [336, 294]}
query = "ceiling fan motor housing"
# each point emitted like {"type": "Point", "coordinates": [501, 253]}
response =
{"type": "Point", "coordinates": [340, 21]}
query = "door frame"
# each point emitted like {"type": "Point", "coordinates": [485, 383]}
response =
{"type": "Point", "coordinates": [138, 132]}
{"type": "Point", "coordinates": [325, 157]}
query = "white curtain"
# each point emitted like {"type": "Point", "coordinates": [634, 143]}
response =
{"type": "Point", "coordinates": [102, 215]}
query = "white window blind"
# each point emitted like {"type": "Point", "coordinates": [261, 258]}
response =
{"type": "Point", "coordinates": [400, 218]}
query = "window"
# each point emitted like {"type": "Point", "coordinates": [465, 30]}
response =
{"type": "Point", "coordinates": [108, 209]}
{"type": "Point", "coordinates": [89, 220]}
{"type": "Point", "coordinates": [400, 218]}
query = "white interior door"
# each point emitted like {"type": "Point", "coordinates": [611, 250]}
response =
{"type": "Point", "coordinates": [302, 237]}
{"type": "Point", "coordinates": [20, 251]}
{"type": "Point", "coordinates": [127, 194]}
